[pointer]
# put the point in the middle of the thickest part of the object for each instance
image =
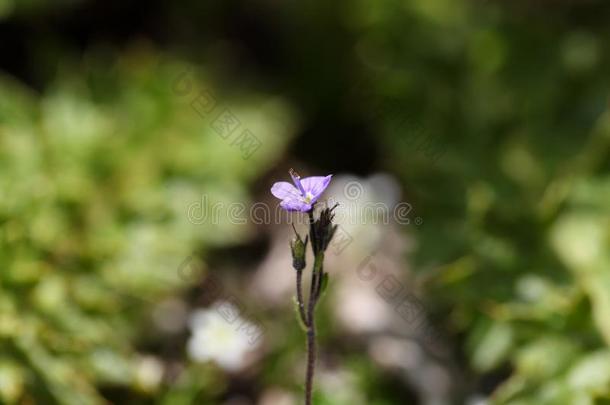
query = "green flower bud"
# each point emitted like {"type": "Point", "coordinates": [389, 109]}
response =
{"type": "Point", "coordinates": [298, 248]}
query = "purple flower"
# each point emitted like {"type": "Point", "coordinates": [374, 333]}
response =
{"type": "Point", "coordinates": [304, 195]}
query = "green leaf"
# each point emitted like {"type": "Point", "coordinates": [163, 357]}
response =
{"type": "Point", "coordinates": [545, 357]}
{"type": "Point", "coordinates": [492, 347]}
{"type": "Point", "coordinates": [592, 373]}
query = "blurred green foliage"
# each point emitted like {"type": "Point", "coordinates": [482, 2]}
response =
{"type": "Point", "coordinates": [497, 121]}
{"type": "Point", "coordinates": [98, 173]}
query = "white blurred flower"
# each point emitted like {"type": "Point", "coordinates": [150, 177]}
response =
{"type": "Point", "coordinates": [149, 373]}
{"type": "Point", "coordinates": [277, 396]}
{"type": "Point", "coordinates": [477, 400]}
{"type": "Point", "coordinates": [221, 335]}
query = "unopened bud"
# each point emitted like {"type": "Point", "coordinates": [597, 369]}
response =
{"type": "Point", "coordinates": [298, 248]}
{"type": "Point", "coordinates": [324, 229]}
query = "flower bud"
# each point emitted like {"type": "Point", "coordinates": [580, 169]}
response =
{"type": "Point", "coordinates": [323, 230]}
{"type": "Point", "coordinates": [298, 248]}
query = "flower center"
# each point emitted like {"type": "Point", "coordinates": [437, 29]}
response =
{"type": "Point", "coordinates": [308, 197]}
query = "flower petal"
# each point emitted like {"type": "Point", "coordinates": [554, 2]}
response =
{"type": "Point", "coordinates": [295, 204]}
{"type": "Point", "coordinates": [316, 185]}
{"type": "Point", "coordinates": [283, 190]}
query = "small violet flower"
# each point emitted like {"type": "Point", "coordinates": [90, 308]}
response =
{"type": "Point", "coordinates": [302, 197]}
{"type": "Point", "coordinates": [303, 194]}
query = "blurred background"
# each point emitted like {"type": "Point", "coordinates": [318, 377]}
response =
{"type": "Point", "coordinates": [142, 258]}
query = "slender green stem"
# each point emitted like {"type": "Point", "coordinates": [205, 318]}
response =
{"type": "Point", "coordinates": [315, 290]}
{"type": "Point", "coordinates": [311, 359]}
{"type": "Point", "coordinates": [300, 301]}
{"type": "Point", "coordinates": [311, 325]}
{"type": "Point", "coordinates": [318, 269]}
{"type": "Point", "coordinates": [312, 292]}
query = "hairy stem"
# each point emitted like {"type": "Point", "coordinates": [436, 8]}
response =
{"type": "Point", "coordinates": [318, 269]}
{"type": "Point", "coordinates": [311, 326]}
{"type": "Point", "coordinates": [311, 359]}
{"type": "Point", "coordinates": [314, 293]}
{"type": "Point", "coordinates": [300, 300]}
